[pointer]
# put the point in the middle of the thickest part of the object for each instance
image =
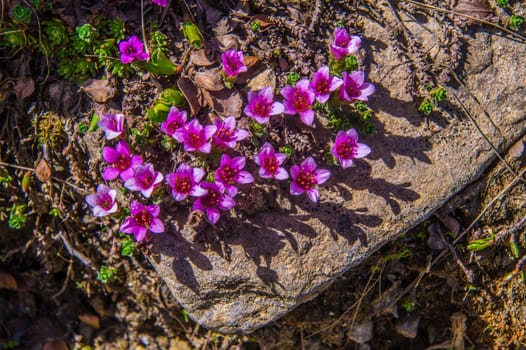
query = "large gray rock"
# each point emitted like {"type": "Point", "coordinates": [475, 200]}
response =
{"type": "Point", "coordinates": [263, 266]}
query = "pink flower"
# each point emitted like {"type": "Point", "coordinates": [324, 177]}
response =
{"type": "Point", "coordinates": [175, 120]}
{"type": "Point", "coordinates": [143, 219]}
{"type": "Point", "coordinates": [144, 179]}
{"type": "Point", "coordinates": [354, 87]}
{"type": "Point", "coordinates": [214, 200]}
{"type": "Point", "coordinates": [162, 3]}
{"type": "Point", "coordinates": [322, 84]}
{"type": "Point", "coordinates": [132, 50]}
{"type": "Point", "coordinates": [103, 202]}
{"type": "Point", "coordinates": [112, 125]}
{"type": "Point", "coordinates": [299, 100]}
{"type": "Point", "coordinates": [195, 137]}
{"type": "Point", "coordinates": [121, 160]}
{"type": "Point", "coordinates": [261, 105]}
{"type": "Point", "coordinates": [344, 45]}
{"type": "Point", "coordinates": [230, 172]}
{"type": "Point", "coordinates": [269, 162]}
{"type": "Point", "coordinates": [346, 147]}
{"type": "Point", "coordinates": [226, 135]}
{"type": "Point", "coordinates": [307, 178]}
{"type": "Point", "coordinates": [233, 63]}
{"type": "Point", "coordinates": [185, 182]}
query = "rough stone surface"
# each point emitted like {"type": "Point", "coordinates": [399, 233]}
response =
{"type": "Point", "coordinates": [264, 266]}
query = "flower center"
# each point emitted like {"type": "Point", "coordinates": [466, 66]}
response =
{"type": "Point", "coordinates": [352, 89]}
{"type": "Point", "coordinates": [195, 140]}
{"type": "Point", "coordinates": [323, 86]}
{"type": "Point", "coordinates": [211, 200]}
{"type": "Point", "coordinates": [122, 163]}
{"type": "Point", "coordinates": [233, 63]}
{"type": "Point", "coordinates": [261, 107]}
{"type": "Point", "coordinates": [270, 164]}
{"type": "Point", "coordinates": [105, 202]}
{"type": "Point", "coordinates": [145, 180]}
{"type": "Point", "coordinates": [182, 184]}
{"type": "Point", "coordinates": [226, 134]}
{"type": "Point", "coordinates": [300, 101]}
{"type": "Point", "coordinates": [228, 174]}
{"type": "Point", "coordinates": [305, 179]}
{"type": "Point", "coordinates": [174, 125]}
{"type": "Point", "coordinates": [345, 150]}
{"type": "Point", "coordinates": [143, 218]}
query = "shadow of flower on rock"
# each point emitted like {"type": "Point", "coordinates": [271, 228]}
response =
{"type": "Point", "coordinates": [184, 254]}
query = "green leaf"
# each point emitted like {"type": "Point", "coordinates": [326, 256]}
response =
{"type": "Point", "coordinates": [192, 34]}
{"type": "Point", "coordinates": [172, 97]}
{"type": "Point", "coordinates": [160, 64]}
{"type": "Point", "coordinates": [158, 112]}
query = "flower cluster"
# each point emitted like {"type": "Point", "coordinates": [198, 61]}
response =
{"type": "Point", "coordinates": [216, 191]}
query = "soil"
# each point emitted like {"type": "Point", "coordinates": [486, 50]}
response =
{"type": "Point", "coordinates": [426, 290]}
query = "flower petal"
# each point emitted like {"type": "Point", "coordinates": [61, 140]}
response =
{"type": "Point", "coordinates": [227, 203]}
{"type": "Point", "coordinates": [157, 226]}
{"type": "Point", "coordinates": [294, 170]}
{"type": "Point", "coordinates": [244, 177]}
{"type": "Point", "coordinates": [110, 155]}
{"type": "Point", "coordinates": [276, 108]}
{"type": "Point", "coordinates": [309, 164]}
{"type": "Point", "coordinates": [213, 215]}
{"type": "Point", "coordinates": [362, 150]}
{"type": "Point", "coordinates": [295, 189]}
{"type": "Point", "coordinates": [313, 194]}
{"type": "Point", "coordinates": [110, 173]}
{"type": "Point", "coordinates": [307, 117]}
{"type": "Point", "coordinates": [281, 174]}
{"type": "Point", "coordinates": [321, 175]}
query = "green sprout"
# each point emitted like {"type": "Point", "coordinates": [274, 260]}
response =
{"type": "Point", "coordinates": [503, 3]}
{"type": "Point", "coordinates": [13, 37]}
{"type": "Point", "coordinates": [287, 150]}
{"type": "Point", "coordinates": [113, 28]}
{"type": "Point", "coordinates": [128, 246]}
{"type": "Point", "coordinates": [257, 129]}
{"type": "Point", "coordinates": [83, 128]}
{"type": "Point", "coordinates": [22, 14]}
{"type": "Point", "coordinates": [481, 244]}
{"type": "Point", "coordinates": [87, 33]}
{"type": "Point", "coordinates": [159, 42]}
{"type": "Point", "coordinates": [55, 32]}
{"type": "Point", "coordinates": [255, 26]}
{"type": "Point", "coordinates": [94, 122]}
{"type": "Point", "coordinates": [293, 77]}
{"type": "Point", "coordinates": [426, 107]}
{"type": "Point", "coordinates": [106, 274]}
{"type": "Point", "coordinates": [515, 22]}
{"type": "Point", "coordinates": [438, 94]}
{"type": "Point", "coordinates": [409, 305]}
{"type": "Point", "coordinates": [17, 216]}
{"type": "Point", "coordinates": [5, 178]}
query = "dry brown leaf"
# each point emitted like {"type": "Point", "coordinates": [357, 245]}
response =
{"type": "Point", "coordinates": [90, 320]}
{"type": "Point", "coordinates": [475, 8]}
{"type": "Point", "coordinates": [99, 91]}
{"type": "Point", "coordinates": [55, 345]}
{"type": "Point", "coordinates": [227, 102]}
{"type": "Point", "coordinates": [190, 94]}
{"type": "Point", "coordinates": [7, 281]}
{"type": "Point", "coordinates": [262, 20]}
{"type": "Point", "coordinates": [199, 58]}
{"type": "Point", "coordinates": [209, 80]}
{"type": "Point", "coordinates": [228, 42]}
{"type": "Point", "coordinates": [263, 79]}
{"type": "Point", "coordinates": [251, 61]}
{"type": "Point", "coordinates": [450, 223]}
{"type": "Point", "coordinates": [24, 87]}
{"type": "Point", "coordinates": [43, 171]}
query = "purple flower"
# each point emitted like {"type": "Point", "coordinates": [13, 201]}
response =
{"type": "Point", "coordinates": [185, 182]}
{"type": "Point", "coordinates": [346, 147]}
{"type": "Point", "coordinates": [162, 3]}
{"type": "Point", "coordinates": [226, 135]}
{"type": "Point", "coordinates": [322, 84]}
{"type": "Point", "coordinates": [103, 202]}
{"type": "Point", "coordinates": [195, 137]}
{"type": "Point", "coordinates": [175, 120]}
{"type": "Point", "coordinates": [261, 105]}
{"type": "Point", "coordinates": [132, 50]}
{"type": "Point", "coordinates": [269, 162]}
{"type": "Point", "coordinates": [307, 178]}
{"type": "Point", "coordinates": [121, 160]}
{"type": "Point", "coordinates": [112, 125]}
{"type": "Point", "coordinates": [143, 219]}
{"type": "Point", "coordinates": [144, 179]}
{"type": "Point", "coordinates": [344, 45]}
{"type": "Point", "coordinates": [354, 87]}
{"type": "Point", "coordinates": [214, 200]}
{"type": "Point", "coordinates": [233, 63]}
{"type": "Point", "coordinates": [299, 100]}
{"type": "Point", "coordinates": [230, 172]}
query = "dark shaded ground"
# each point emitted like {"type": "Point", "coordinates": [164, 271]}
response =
{"type": "Point", "coordinates": [403, 297]}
